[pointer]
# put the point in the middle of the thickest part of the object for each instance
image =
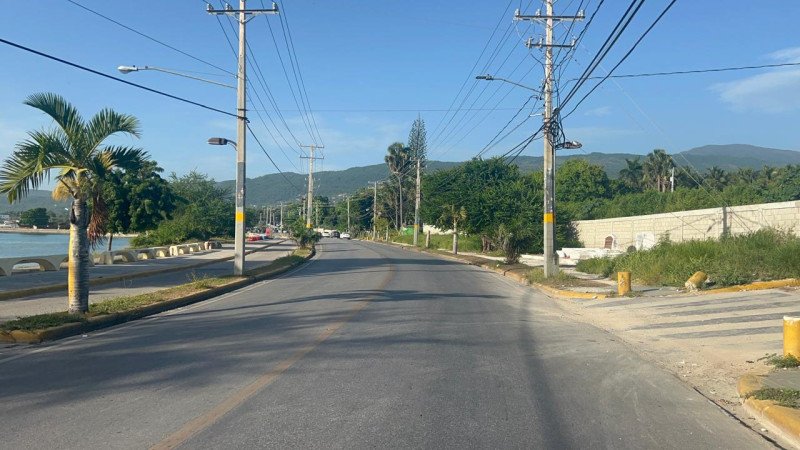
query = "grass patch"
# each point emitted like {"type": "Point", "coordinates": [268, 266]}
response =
{"type": "Point", "coordinates": [122, 304]}
{"type": "Point", "coordinates": [781, 362]}
{"type": "Point", "coordinates": [561, 280]}
{"type": "Point", "coordinates": [784, 397]}
{"type": "Point", "coordinates": [41, 321]}
{"type": "Point", "coordinates": [759, 256]}
{"type": "Point", "coordinates": [444, 241]}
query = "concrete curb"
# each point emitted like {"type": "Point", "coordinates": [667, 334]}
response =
{"type": "Point", "coordinates": [785, 421]}
{"type": "Point", "coordinates": [109, 320]}
{"type": "Point", "coordinates": [563, 293]}
{"type": "Point", "coordinates": [20, 293]}
{"type": "Point", "coordinates": [755, 286]}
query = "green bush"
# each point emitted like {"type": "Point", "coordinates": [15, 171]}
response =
{"type": "Point", "coordinates": [762, 255]}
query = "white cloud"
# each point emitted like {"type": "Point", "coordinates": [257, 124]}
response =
{"type": "Point", "coordinates": [599, 112]}
{"type": "Point", "coordinates": [777, 91]}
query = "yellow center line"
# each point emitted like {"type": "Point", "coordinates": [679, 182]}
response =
{"type": "Point", "coordinates": [213, 415]}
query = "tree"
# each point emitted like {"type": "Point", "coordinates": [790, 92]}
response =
{"type": "Point", "coordinates": [715, 178]}
{"type": "Point", "coordinates": [75, 148]}
{"type": "Point", "coordinates": [137, 200]}
{"type": "Point", "coordinates": [657, 167]}
{"type": "Point", "coordinates": [204, 209]}
{"type": "Point", "coordinates": [398, 158]}
{"type": "Point", "coordinates": [418, 142]}
{"type": "Point", "coordinates": [36, 217]}
{"type": "Point", "coordinates": [632, 174]}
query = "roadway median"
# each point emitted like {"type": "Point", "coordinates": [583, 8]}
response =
{"type": "Point", "coordinates": [48, 327]}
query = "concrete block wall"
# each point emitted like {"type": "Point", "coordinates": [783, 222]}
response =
{"type": "Point", "coordinates": [644, 231]}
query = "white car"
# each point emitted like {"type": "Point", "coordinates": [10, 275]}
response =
{"type": "Point", "coordinates": [326, 233]}
{"type": "Point", "coordinates": [345, 236]}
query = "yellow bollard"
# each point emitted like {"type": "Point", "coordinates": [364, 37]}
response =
{"type": "Point", "coordinates": [791, 336]}
{"type": "Point", "coordinates": [623, 283]}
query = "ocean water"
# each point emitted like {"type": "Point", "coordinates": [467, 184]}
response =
{"type": "Point", "coordinates": [13, 245]}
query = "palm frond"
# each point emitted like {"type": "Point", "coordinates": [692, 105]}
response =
{"type": "Point", "coordinates": [108, 122]}
{"type": "Point", "coordinates": [126, 158]}
{"type": "Point", "coordinates": [31, 162]}
{"type": "Point", "coordinates": [59, 109]}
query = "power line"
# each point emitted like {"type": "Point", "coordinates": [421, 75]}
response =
{"type": "Point", "coordinates": [84, 68]}
{"type": "Point", "coordinates": [685, 72]}
{"type": "Point", "coordinates": [472, 70]}
{"type": "Point", "coordinates": [636, 44]}
{"type": "Point", "coordinates": [270, 158]}
{"type": "Point", "coordinates": [146, 36]}
{"type": "Point", "coordinates": [612, 38]}
{"type": "Point", "coordinates": [284, 18]}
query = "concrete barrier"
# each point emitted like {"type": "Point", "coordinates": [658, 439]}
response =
{"type": "Point", "coordinates": [47, 263]}
{"type": "Point", "coordinates": [161, 252]}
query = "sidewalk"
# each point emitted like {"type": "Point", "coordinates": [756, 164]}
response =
{"type": "Point", "coordinates": [179, 269]}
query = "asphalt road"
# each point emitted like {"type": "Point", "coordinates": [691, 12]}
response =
{"type": "Point", "coordinates": [367, 346]}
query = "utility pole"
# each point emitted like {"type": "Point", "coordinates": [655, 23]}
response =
{"type": "Point", "coordinates": [310, 195]}
{"type": "Point", "coordinates": [416, 207]}
{"type": "Point", "coordinates": [375, 212]}
{"type": "Point", "coordinates": [281, 215]}
{"type": "Point", "coordinates": [348, 213]}
{"type": "Point", "coordinates": [550, 259]}
{"type": "Point", "coordinates": [672, 180]}
{"type": "Point", "coordinates": [317, 215]}
{"type": "Point", "coordinates": [241, 16]}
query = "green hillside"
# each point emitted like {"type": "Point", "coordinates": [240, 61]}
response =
{"type": "Point", "coordinates": [35, 199]}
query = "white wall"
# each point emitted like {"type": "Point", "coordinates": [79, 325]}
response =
{"type": "Point", "coordinates": [644, 231]}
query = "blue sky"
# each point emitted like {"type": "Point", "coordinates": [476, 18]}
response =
{"type": "Point", "coordinates": [370, 67]}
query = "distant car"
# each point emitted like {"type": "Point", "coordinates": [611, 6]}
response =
{"type": "Point", "coordinates": [335, 234]}
{"type": "Point", "coordinates": [345, 235]}
{"type": "Point", "coordinates": [326, 233]}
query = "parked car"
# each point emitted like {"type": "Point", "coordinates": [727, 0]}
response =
{"type": "Point", "coordinates": [326, 233]}
{"type": "Point", "coordinates": [345, 235]}
{"type": "Point", "coordinates": [335, 234]}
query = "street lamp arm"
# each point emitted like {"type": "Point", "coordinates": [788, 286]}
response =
{"type": "Point", "coordinates": [488, 77]}
{"type": "Point", "coordinates": [128, 69]}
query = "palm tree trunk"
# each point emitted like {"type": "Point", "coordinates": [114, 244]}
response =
{"type": "Point", "coordinates": [78, 276]}
{"type": "Point", "coordinates": [110, 240]}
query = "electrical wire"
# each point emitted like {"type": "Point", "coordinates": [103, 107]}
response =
{"type": "Point", "coordinates": [270, 158]}
{"type": "Point", "coordinates": [87, 69]}
{"type": "Point", "coordinates": [146, 36]}
{"type": "Point", "coordinates": [636, 44]}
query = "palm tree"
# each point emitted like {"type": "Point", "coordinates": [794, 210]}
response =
{"type": "Point", "coordinates": [453, 214]}
{"type": "Point", "coordinates": [657, 167]}
{"type": "Point", "coordinates": [715, 178]}
{"type": "Point", "coordinates": [75, 148]}
{"type": "Point", "coordinates": [398, 158]}
{"type": "Point", "coordinates": [632, 174]}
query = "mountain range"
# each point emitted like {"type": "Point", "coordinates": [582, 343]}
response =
{"type": "Point", "coordinates": [287, 187]}
{"type": "Point", "coordinates": [274, 188]}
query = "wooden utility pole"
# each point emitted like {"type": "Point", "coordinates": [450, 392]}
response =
{"type": "Point", "coordinates": [416, 207]}
{"type": "Point", "coordinates": [550, 258]}
{"type": "Point", "coordinates": [310, 194]}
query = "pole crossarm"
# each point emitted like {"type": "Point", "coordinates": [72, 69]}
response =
{"type": "Point", "coordinates": [230, 11]}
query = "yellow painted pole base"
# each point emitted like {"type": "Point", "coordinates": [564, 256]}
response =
{"type": "Point", "coordinates": [791, 336]}
{"type": "Point", "coordinates": [623, 283]}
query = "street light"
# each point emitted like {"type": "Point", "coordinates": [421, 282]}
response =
{"type": "Point", "coordinates": [488, 77]}
{"type": "Point", "coordinates": [128, 69]}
